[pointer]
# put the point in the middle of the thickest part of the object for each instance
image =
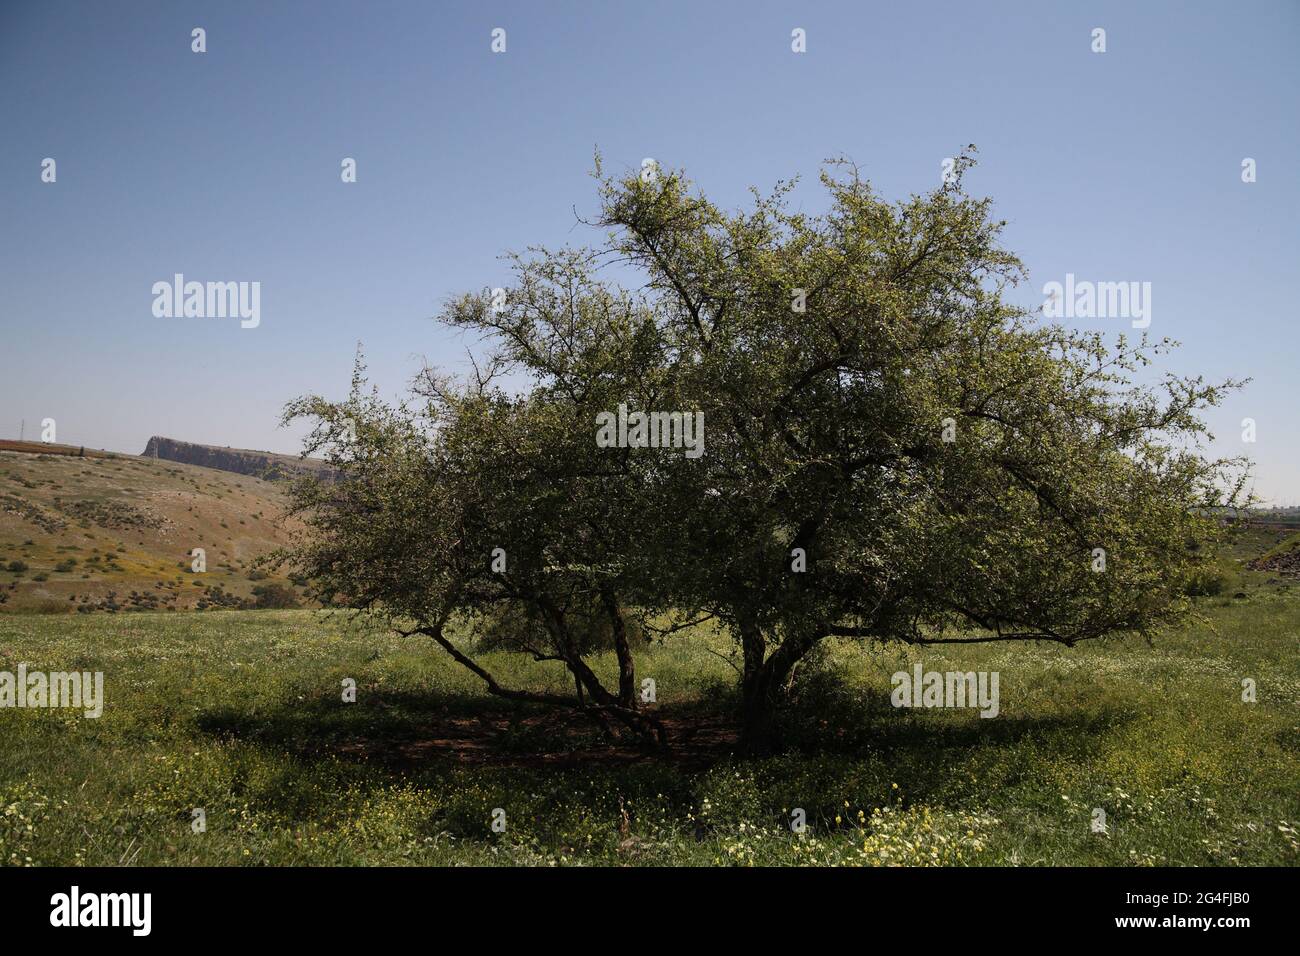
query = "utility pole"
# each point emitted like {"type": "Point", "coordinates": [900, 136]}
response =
{"type": "Point", "coordinates": [22, 431]}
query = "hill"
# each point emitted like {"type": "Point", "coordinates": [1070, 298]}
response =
{"type": "Point", "coordinates": [49, 448]}
{"type": "Point", "coordinates": [116, 533]}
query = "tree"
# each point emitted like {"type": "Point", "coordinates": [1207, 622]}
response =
{"type": "Point", "coordinates": [952, 471]}
{"type": "Point", "coordinates": [895, 451]}
{"type": "Point", "coordinates": [497, 508]}
{"type": "Point", "coordinates": [274, 595]}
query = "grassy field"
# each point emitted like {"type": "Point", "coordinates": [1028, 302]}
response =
{"type": "Point", "coordinates": [239, 713]}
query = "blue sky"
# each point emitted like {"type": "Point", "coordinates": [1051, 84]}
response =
{"type": "Point", "coordinates": [225, 166]}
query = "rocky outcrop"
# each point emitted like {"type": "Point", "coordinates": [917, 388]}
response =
{"type": "Point", "coordinates": [241, 461]}
{"type": "Point", "coordinates": [1285, 563]}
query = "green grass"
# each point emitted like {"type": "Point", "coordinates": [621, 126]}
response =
{"type": "Point", "coordinates": [240, 713]}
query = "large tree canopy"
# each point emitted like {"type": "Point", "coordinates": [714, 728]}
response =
{"type": "Point", "coordinates": [893, 450]}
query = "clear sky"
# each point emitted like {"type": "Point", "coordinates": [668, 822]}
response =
{"type": "Point", "coordinates": [225, 166]}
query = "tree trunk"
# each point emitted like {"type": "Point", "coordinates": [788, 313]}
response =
{"type": "Point", "coordinates": [757, 707]}
{"type": "Point", "coordinates": [762, 686]}
{"type": "Point", "coordinates": [647, 727]}
{"type": "Point", "coordinates": [623, 650]}
{"type": "Point", "coordinates": [758, 716]}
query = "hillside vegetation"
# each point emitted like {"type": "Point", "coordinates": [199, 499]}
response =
{"type": "Point", "coordinates": [117, 532]}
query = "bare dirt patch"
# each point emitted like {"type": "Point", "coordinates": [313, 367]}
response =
{"type": "Point", "coordinates": [563, 740]}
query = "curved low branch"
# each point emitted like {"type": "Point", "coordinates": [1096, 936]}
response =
{"type": "Point", "coordinates": [635, 719]}
{"type": "Point", "coordinates": [493, 685]}
{"type": "Point", "coordinates": [839, 630]}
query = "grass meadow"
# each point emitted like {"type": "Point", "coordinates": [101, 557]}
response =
{"type": "Point", "coordinates": [240, 714]}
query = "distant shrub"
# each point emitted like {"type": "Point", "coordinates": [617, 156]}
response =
{"type": "Point", "coordinates": [17, 567]}
{"type": "Point", "coordinates": [1207, 582]}
{"type": "Point", "coordinates": [274, 596]}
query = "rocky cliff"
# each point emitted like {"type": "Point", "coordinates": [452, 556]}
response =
{"type": "Point", "coordinates": [241, 461]}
